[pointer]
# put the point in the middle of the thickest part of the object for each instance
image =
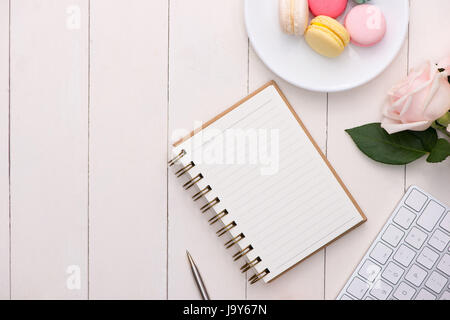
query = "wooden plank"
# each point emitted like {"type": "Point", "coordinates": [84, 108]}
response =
{"type": "Point", "coordinates": [311, 108]}
{"type": "Point", "coordinates": [376, 187]}
{"type": "Point", "coordinates": [426, 45]}
{"type": "Point", "coordinates": [4, 149]}
{"type": "Point", "coordinates": [208, 74]}
{"type": "Point", "coordinates": [128, 135]}
{"type": "Point", "coordinates": [49, 148]}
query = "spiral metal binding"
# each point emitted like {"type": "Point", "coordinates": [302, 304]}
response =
{"type": "Point", "coordinates": [258, 276]}
{"type": "Point", "coordinates": [218, 216]}
{"type": "Point", "coordinates": [242, 253]}
{"type": "Point", "coordinates": [226, 228]}
{"type": "Point", "coordinates": [247, 266]}
{"type": "Point", "coordinates": [234, 241]}
{"type": "Point", "coordinates": [201, 193]}
{"type": "Point", "coordinates": [175, 160]}
{"type": "Point", "coordinates": [193, 181]}
{"type": "Point", "coordinates": [210, 204]}
{"type": "Point", "coordinates": [184, 170]}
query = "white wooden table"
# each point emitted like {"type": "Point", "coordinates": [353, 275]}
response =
{"type": "Point", "coordinates": [90, 93]}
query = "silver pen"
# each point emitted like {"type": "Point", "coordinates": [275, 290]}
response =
{"type": "Point", "coordinates": [197, 277]}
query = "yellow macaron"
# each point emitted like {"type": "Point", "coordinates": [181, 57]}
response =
{"type": "Point", "coordinates": [327, 36]}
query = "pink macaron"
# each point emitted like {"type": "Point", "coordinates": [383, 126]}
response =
{"type": "Point", "coordinates": [330, 8]}
{"type": "Point", "coordinates": [366, 24]}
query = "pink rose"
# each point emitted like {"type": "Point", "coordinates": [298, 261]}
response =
{"type": "Point", "coordinates": [418, 101]}
{"type": "Point", "coordinates": [445, 64]}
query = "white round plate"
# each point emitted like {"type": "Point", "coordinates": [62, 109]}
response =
{"type": "Point", "coordinates": [293, 60]}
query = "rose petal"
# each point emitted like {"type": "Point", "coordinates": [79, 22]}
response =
{"type": "Point", "coordinates": [425, 88]}
{"type": "Point", "coordinates": [440, 103]}
{"type": "Point", "coordinates": [415, 110]}
{"type": "Point", "coordinates": [417, 101]}
{"type": "Point", "coordinates": [402, 88]}
{"type": "Point", "coordinates": [445, 63]}
{"type": "Point", "coordinates": [391, 113]}
{"type": "Point", "coordinates": [394, 127]}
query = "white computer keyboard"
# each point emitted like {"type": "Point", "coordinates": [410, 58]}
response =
{"type": "Point", "coordinates": [410, 258]}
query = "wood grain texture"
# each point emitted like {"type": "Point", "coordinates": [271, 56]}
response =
{"type": "Point", "coordinates": [138, 220]}
{"type": "Point", "coordinates": [311, 108]}
{"type": "Point", "coordinates": [128, 135]}
{"type": "Point", "coordinates": [4, 149]}
{"type": "Point", "coordinates": [49, 148]}
{"type": "Point", "coordinates": [376, 187]}
{"type": "Point", "coordinates": [208, 74]}
{"type": "Point", "coordinates": [426, 45]}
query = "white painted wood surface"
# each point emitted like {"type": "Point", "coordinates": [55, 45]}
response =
{"type": "Point", "coordinates": [4, 153]}
{"type": "Point", "coordinates": [49, 148]}
{"type": "Point", "coordinates": [99, 88]}
{"type": "Point", "coordinates": [128, 139]}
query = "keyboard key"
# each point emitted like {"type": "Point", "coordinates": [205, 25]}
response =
{"type": "Point", "coordinates": [358, 288]}
{"type": "Point", "coordinates": [439, 240]}
{"type": "Point", "coordinates": [410, 258]}
{"type": "Point", "coordinates": [404, 218]}
{"type": "Point", "coordinates": [392, 273]}
{"type": "Point", "coordinates": [431, 215]}
{"type": "Point", "coordinates": [381, 290]}
{"type": "Point", "coordinates": [436, 282]}
{"type": "Point", "coordinates": [445, 224]}
{"type": "Point", "coordinates": [427, 258]}
{"type": "Point", "coordinates": [416, 200]}
{"type": "Point", "coordinates": [444, 264]}
{"type": "Point", "coordinates": [369, 270]}
{"type": "Point", "coordinates": [416, 238]}
{"type": "Point", "coordinates": [404, 292]}
{"type": "Point", "coordinates": [425, 295]}
{"type": "Point", "coordinates": [404, 255]}
{"type": "Point", "coordinates": [393, 235]}
{"type": "Point", "coordinates": [416, 275]}
{"type": "Point", "coordinates": [381, 253]}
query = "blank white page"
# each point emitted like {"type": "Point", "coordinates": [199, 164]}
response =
{"type": "Point", "coordinates": [277, 187]}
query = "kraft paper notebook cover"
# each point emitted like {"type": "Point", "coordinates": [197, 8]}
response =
{"type": "Point", "coordinates": [265, 184]}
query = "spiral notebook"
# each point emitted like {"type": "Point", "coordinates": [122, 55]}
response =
{"type": "Point", "coordinates": [265, 184]}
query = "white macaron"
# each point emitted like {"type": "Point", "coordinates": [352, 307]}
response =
{"type": "Point", "coordinates": [294, 16]}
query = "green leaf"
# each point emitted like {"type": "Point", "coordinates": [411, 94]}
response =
{"type": "Point", "coordinates": [440, 152]}
{"type": "Point", "coordinates": [444, 121]}
{"type": "Point", "coordinates": [396, 149]}
{"type": "Point", "coordinates": [428, 138]}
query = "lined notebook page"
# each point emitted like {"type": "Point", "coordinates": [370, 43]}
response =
{"type": "Point", "coordinates": [272, 181]}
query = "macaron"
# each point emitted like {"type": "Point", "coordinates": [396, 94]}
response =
{"type": "Point", "coordinates": [366, 24]}
{"type": "Point", "coordinates": [327, 36]}
{"type": "Point", "coordinates": [294, 16]}
{"type": "Point", "coordinates": [330, 8]}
